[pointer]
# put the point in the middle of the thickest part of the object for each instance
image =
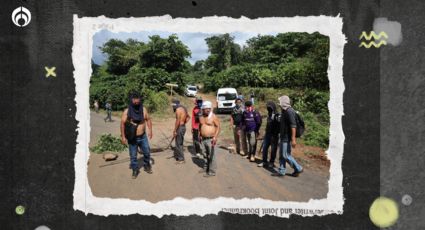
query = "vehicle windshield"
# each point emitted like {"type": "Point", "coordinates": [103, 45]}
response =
{"type": "Point", "coordinates": [226, 96]}
{"type": "Point", "coordinates": [191, 88]}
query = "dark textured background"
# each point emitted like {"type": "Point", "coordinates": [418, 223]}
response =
{"type": "Point", "coordinates": [38, 126]}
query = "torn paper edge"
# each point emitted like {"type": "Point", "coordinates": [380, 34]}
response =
{"type": "Point", "coordinates": [86, 27]}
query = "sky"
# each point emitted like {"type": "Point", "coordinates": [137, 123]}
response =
{"type": "Point", "coordinates": [194, 41]}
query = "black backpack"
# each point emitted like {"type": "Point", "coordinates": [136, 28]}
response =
{"type": "Point", "coordinates": [300, 125]}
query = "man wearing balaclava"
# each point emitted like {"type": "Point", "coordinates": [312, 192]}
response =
{"type": "Point", "coordinates": [271, 137]}
{"type": "Point", "coordinates": [288, 140]}
{"type": "Point", "coordinates": [135, 118]}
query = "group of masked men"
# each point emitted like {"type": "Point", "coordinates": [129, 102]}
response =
{"type": "Point", "coordinates": [279, 134]}
{"type": "Point", "coordinates": [245, 120]}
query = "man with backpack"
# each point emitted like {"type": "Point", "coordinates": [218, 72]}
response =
{"type": "Point", "coordinates": [251, 123]}
{"type": "Point", "coordinates": [271, 137]}
{"type": "Point", "coordinates": [288, 132]}
{"type": "Point", "coordinates": [235, 122]}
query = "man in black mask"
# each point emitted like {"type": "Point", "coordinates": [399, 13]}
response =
{"type": "Point", "coordinates": [271, 138]}
{"type": "Point", "coordinates": [133, 131]}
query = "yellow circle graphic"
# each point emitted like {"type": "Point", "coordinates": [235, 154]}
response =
{"type": "Point", "coordinates": [383, 212]}
{"type": "Point", "coordinates": [20, 209]}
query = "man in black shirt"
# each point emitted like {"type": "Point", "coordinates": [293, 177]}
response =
{"type": "Point", "coordinates": [271, 138]}
{"type": "Point", "coordinates": [288, 140]}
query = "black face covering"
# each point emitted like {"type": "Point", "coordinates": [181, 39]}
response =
{"type": "Point", "coordinates": [176, 104]}
{"type": "Point", "coordinates": [135, 112]}
{"type": "Point", "coordinates": [271, 107]}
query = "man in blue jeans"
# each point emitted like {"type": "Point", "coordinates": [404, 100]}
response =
{"type": "Point", "coordinates": [288, 140]}
{"type": "Point", "coordinates": [138, 116]}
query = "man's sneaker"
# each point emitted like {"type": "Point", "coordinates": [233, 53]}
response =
{"type": "Point", "coordinates": [148, 169]}
{"type": "Point", "coordinates": [210, 174]}
{"type": "Point", "coordinates": [198, 155]}
{"type": "Point", "coordinates": [135, 173]}
{"type": "Point", "coordinates": [260, 164]}
{"type": "Point", "coordinates": [271, 165]}
{"type": "Point", "coordinates": [296, 174]}
{"type": "Point", "coordinates": [276, 174]}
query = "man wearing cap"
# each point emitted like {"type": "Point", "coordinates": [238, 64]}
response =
{"type": "Point", "coordinates": [196, 115]}
{"type": "Point", "coordinates": [235, 122]}
{"type": "Point", "coordinates": [288, 140]}
{"type": "Point", "coordinates": [182, 117]}
{"type": "Point", "coordinates": [251, 122]}
{"type": "Point", "coordinates": [210, 128]}
{"type": "Point", "coordinates": [137, 116]}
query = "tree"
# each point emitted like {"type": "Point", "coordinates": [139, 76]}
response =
{"type": "Point", "coordinates": [223, 52]}
{"type": "Point", "coordinates": [168, 54]}
{"type": "Point", "coordinates": [122, 55]}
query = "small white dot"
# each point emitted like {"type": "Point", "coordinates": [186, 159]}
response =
{"type": "Point", "coordinates": [406, 199]}
{"type": "Point", "coordinates": [42, 227]}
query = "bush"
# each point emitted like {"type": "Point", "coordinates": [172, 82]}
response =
{"type": "Point", "coordinates": [155, 101]}
{"type": "Point", "coordinates": [107, 142]}
{"type": "Point", "coordinates": [316, 134]}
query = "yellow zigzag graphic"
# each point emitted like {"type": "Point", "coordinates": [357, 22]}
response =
{"type": "Point", "coordinates": [372, 34]}
{"type": "Point", "coordinates": [372, 43]}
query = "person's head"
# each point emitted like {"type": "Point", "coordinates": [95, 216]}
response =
{"type": "Point", "coordinates": [175, 103]}
{"type": "Point", "coordinates": [135, 98]}
{"type": "Point", "coordinates": [284, 102]}
{"type": "Point", "coordinates": [271, 107]}
{"type": "Point", "coordinates": [248, 105]}
{"type": "Point", "coordinates": [238, 102]}
{"type": "Point", "coordinates": [206, 108]}
{"type": "Point", "coordinates": [198, 102]}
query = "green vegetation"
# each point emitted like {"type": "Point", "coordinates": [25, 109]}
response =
{"type": "Point", "coordinates": [269, 66]}
{"type": "Point", "coordinates": [107, 142]}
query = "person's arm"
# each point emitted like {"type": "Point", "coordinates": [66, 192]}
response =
{"type": "Point", "coordinates": [217, 130]}
{"type": "Point", "coordinates": [122, 126]}
{"type": "Point", "coordinates": [293, 125]}
{"type": "Point", "coordinates": [177, 123]}
{"type": "Point", "coordinates": [258, 121]}
{"type": "Point", "coordinates": [201, 121]}
{"type": "Point", "coordinates": [193, 118]}
{"type": "Point", "coordinates": [231, 120]}
{"type": "Point", "coordinates": [148, 122]}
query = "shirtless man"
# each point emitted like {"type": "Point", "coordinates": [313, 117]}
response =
{"type": "Point", "coordinates": [182, 117]}
{"type": "Point", "coordinates": [210, 128]}
{"type": "Point", "coordinates": [137, 115]}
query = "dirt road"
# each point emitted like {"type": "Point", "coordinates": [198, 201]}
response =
{"type": "Point", "coordinates": [236, 176]}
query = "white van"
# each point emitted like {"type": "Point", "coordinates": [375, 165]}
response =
{"type": "Point", "coordinates": [226, 99]}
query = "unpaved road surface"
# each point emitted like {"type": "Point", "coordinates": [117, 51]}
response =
{"type": "Point", "coordinates": [236, 176]}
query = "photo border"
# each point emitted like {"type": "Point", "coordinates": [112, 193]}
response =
{"type": "Point", "coordinates": [86, 27]}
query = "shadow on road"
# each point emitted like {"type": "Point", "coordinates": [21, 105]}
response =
{"type": "Point", "coordinates": [198, 162]}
